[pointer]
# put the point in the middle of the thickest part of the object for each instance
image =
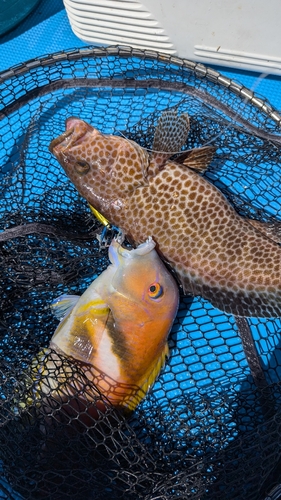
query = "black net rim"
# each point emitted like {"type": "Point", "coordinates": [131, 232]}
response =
{"type": "Point", "coordinates": [199, 70]}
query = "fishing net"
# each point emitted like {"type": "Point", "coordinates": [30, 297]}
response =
{"type": "Point", "coordinates": [210, 428]}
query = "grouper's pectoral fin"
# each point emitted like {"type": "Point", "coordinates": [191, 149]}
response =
{"type": "Point", "coordinates": [170, 135]}
{"type": "Point", "coordinates": [198, 158]}
{"type": "Point", "coordinates": [147, 381]}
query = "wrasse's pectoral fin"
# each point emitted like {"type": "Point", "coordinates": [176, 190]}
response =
{"type": "Point", "coordinates": [148, 380]}
{"type": "Point", "coordinates": [170, 135]}
{"type": "Point", "coordinates": [63, 305]}
{"type": "Point", "coordinates": [78, 335]}
{"type": "Point", "coordinates": [198, 158]}
{"type": "Point", "coordinates": [271, 230]}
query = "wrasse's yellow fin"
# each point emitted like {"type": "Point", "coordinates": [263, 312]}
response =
{"type": "Point", "coordinates": [63, 305]}
{"type": "Point", "coordinates": [98, 307]}
{"type": "Point", "coordinates": [149, 380]}
{"type": "Point", "coordinates": [99, 216]}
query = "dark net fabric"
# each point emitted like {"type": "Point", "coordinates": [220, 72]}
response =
{"type": "Point", "coordinates": [210, 428]}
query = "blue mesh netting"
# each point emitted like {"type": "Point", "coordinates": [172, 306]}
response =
{"type": "Point", "coordinates": [209, 428]}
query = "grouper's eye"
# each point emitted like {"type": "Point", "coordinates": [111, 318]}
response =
{"type": "Point", "coordinates": [155, 290]}
{"type": "Point", "coordinates": [82, 167]}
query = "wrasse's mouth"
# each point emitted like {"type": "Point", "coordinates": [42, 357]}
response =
{"type": "Point", "coordinates": [60, 139]}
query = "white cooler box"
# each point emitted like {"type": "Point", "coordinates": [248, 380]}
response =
{"type": "Point", "coordinates": [242, 34]}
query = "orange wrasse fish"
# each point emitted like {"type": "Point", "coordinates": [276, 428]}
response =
{"type": "Point", "coordinates": [229, 260]}
{"type": "Point", "coordinates": [118, 327]}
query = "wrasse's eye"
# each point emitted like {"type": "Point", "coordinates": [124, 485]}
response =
{"type": "Point", "coordinates": [155, 291]}
{"type": "Point", "coordinates": [82, 167]}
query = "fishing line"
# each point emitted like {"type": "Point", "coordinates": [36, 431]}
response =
{"type": "Point", "coordinates": [244, 104]}
{"type": "Point", "coordinates": [36, 227]}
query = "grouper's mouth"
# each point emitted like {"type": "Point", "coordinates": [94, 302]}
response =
{"type": "Point", "coordinates": [75, 130]}
{"type": "Point", "coordinates": [59, 140]}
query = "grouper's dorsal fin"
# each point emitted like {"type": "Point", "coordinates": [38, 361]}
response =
{"type": "Point", "coordinates": [198, 158]}
{"type": "Point", "coordinates": [171, 131]}
{"type": "Point", "coordinates": [170, 135]}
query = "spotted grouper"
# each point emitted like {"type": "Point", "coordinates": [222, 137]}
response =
{"type": "Point", "coordinates": [227, 259]}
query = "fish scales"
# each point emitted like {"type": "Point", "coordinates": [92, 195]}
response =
{"type": "Point", "coordinates": [215, 253]}
{"type": "Point", "coordinates": [228, 261]}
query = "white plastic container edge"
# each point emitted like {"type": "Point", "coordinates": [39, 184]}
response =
{"type": "Point", "coordinates": [243, 34]}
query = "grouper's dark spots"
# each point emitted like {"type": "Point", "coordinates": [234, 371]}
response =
{"type": "Point", "coordinates": [198, 229]}
{"type": "Point", "coordinates": [103, 162]}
